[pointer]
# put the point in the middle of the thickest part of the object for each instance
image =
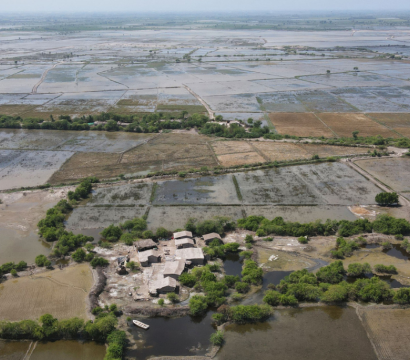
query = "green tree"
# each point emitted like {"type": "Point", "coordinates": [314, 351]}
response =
{"type": "Point", "coordinates": [79, 255]}
{"type": "Point", "coordinates": [198, 305]}
{"type": "Point", "coordinates": [217, 338]}
{"type": "Point", "coordinates": [387, 199]}
{"type": "Point", "coordinates": [111, 233]}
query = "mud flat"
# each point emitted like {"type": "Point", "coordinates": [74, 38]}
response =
{"type": "Point", "coordinates": [322, 333]}
{"type": "Point", "coordinates": [61, 293]}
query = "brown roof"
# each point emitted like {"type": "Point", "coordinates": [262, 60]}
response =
{"type": "Point", "coordinates": [182, 234]}
{"type": "Point", "coordinates": [144, 255]}
{"type": "Point", "coordinates": [174, 267]}
{"type": "Point", "coordinates": [141, 244]}
{"type": "Point", "coordinates": [212, 236]}
{"type": "Point", "coordinates": [184, 241]}
{"type": "Point", "coordinates": [189, 253]}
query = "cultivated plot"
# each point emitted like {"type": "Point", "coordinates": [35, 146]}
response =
{"type": "Point", "coordinates": [204, 190]}
{"type": "Point", "coordinates": [330, 183]}
{"type": "Point", "coordinates": [345, 124]}
{"type": "Point", "coordinates": [301, 214]}
{"type": "Point", "coordinates": [121, 194]}
{"type": "Point", "coordinates": [395, 172]}
{"type": "Point", "coordinates": [175, 217]}
{"type": "Point", "coordinates": [299, 124]}
{"type": "Point", "coordinates": [89, 217]}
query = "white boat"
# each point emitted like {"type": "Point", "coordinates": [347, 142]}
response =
{"type": "Point", "coordinates": [140, 324]}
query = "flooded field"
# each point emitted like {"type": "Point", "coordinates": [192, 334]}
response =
{"type": "Point", "coordinates": [311, 333]}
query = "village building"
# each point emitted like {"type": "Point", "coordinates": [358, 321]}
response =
{"type": "Point", "coordinates": [147, 244]}
{"type": "Point", "coordinates": [162, 285]}
{"type": "Point", "coordinates": [174, 268]}
{"type": "Point", "coordinates": [184, 243]}
{"type": "Point", "coordinates": [209, 237]}
{"type": "Point", "coordinates": [148, 257]}
{"type": "Point", "coordinates": [182, 234]}
{"type": "Point", "coordinates": [193, 256]}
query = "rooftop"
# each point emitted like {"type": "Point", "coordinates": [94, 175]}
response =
{"type": "Point", "coordinates": [143, 255]}
{"type": "Point", "coordinates": [184, 241]}
{"type": "Point", "coordinates": [174, 267]}
{"type": "Point", "coordinates": [158, 284]}
{"type": "Point", "coordinates": [141, 244]}
{"type": "Point", "coordinates": [182, 234]}
{"type": "Point", "coordinates": [212, 236]}
{"type": "Point", "coordinates": [189, 253]}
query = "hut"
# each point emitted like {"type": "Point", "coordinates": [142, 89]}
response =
{"type": "Point", "coordinates": [162, 285]}
{"type": "Point", "coordinates": [174, 268]}
{"type": "Point", "coordinates": [147, 244]}
{"type": "Point", "coordinates": [193, 255]}
{"type": "Point", "coordinates": [148, 257]}
{"type": "Point", "coordinates": [184, 243]}
{"type": "Point", "coordinates": [209, 237]}
{"type": "Point", "coordinates": [182, 234]}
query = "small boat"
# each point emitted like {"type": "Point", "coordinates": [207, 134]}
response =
{"type": "Point", "coordinates": [140, 324]}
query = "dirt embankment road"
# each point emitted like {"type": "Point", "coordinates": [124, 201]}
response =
{"type": "Point", "coordinates": [210, 112]}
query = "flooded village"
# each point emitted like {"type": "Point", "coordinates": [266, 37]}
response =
{"type": "Point", "coordinates": [221, 187]}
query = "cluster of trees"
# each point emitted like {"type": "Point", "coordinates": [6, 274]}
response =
{"type": "Point", "coordinates": [242, 314]}
{"type": "Point", "coordinates": [11, 267]}
{"type": "Point", "coordinates": [384, 224]}
{"type": "Point", "coordinates": [217, 249]}
{"type": "Point", "coordinates": [328, 285]}
{"type": "Point", "coordinates": [219, 225]}
{"type": "Point", "coordinates": [83, 190]}
{"type": "Point", "coordinates": [235, 130]}
{"type": "Point", "coordinates": [345, 248]}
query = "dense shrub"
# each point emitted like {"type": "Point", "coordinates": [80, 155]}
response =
{"type": "Point", "coordinates": [197, 305]}
{"type": "Point", "coordinates": [383, 269]}
{"type": "Point", "coordinates": [242, 287]}
{"type": "Point", "coordinates": [252, 273]}
{"type": "Point", "coordinates": [332, 274]}
{"type": "Point", "coordinates": [402, 296]}
{"type": "Point", "coordinates": [243, 314]}
{"type": "Point", "coordinates": [358, 270]}
{"type": "Point", "coordinates": [386, 198]}
{"type": "Point", "coordinates": [111, 233]}
{"type": "Point", "coordinates": [217, 338]}
{"type": "Point", "coordinates": [335, 293]}
{"type": "Point", "coordinates": [187, 279]}
{"type": "Point", "coordinates": [99, 261]}
{"type": "Point", "coordinates": [41, 260]}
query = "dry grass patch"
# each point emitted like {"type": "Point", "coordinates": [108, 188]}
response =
{"type": "Point", "coordinates": [180, 138]}
{"type": "Point", "coordinates": [189, 163]}
{"type": "Point", "coordinates": [330, 150]}
{"type": "Point", "coordinates": [157, 151]}
{"type": "Point", "coordinates": [231, 147]}
{"type": "Point", "coordinates": [240, 159]}
{"type": "Point", "coordinates": [299, 124]}
{"type": "Point", "coordinates": [16, 109]}
{"type": "Point", "coordinates": [61, 293]}
{"type": "Point", "coordinates": [345, 124]}
{"type": "Point", "coordinates": [392, 120]}
{"type": "Point", "coordinates": [276, 151]}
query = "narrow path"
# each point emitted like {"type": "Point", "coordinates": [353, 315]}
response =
{"type": "Point", "coordinates": [210, 112]}
{"type": "Point", "coordinates": [35, 87]}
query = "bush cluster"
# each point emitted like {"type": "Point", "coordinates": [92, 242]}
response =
{"type": "Point", "coordinates": [219, 225]}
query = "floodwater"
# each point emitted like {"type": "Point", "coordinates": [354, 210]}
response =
{"type": "Point", "coordinates": [233, 265]}
{"type": "Point", "coordinates": [318, 333]}
{"type": "Point", "coordinates": [184, 336]}
{"type": "Point", "coordinates": [61, 350]}
{"type": "Point", "coordinates": [18, 245]}
{"type": "Point", "coordinates": [398, 252]}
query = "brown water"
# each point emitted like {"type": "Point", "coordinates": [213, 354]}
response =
{"type": "Point", "coordinates": [18, 245]}
{"type": "Point", "coordinates": [318, 333]}
{"type": "Point", "coordinates": [13, 350]}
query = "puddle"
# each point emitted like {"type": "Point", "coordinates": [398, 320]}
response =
{"type": "Point", "coordinates": [398, 252]}
{"type": "Point", "coordinates": [233, 265]}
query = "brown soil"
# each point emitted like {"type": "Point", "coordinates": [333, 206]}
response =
{"type": "Point", "coordinates": [329, 150]}
{"type": "Point", "coordinates": [345, 124]}
{"type": "Point", "coordinates": [231, 147]}
{"type": "Point", "coordinates": [393, 120]}
{"type": "Point", "coordinates": [276, 151]}
{"type": "Point", "coordinates": [299, 124]}
{"type": "Point", "coordinates": [240, 159]}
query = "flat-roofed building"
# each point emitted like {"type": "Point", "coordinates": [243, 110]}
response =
{"type": "Point", "coordinates": [184, 243]}
{"type": "Point", "coordinates": [174, 268]}
{"type": "Point", "coordinates": [182, 234]}
{"type": "Point", "coordinates": [193, 255]}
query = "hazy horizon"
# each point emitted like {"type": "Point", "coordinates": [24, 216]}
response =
{"type": "Point", "coordinates": [163, 6]}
